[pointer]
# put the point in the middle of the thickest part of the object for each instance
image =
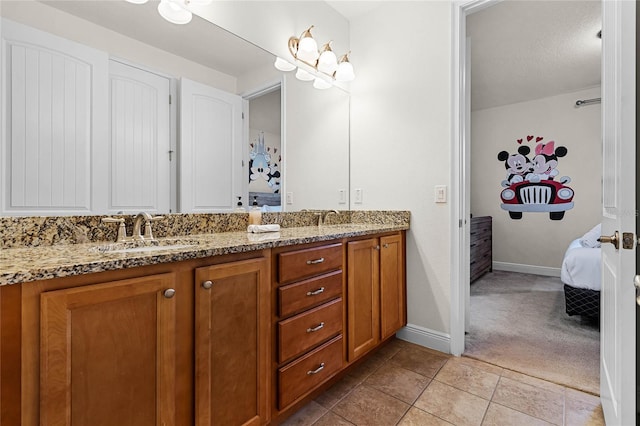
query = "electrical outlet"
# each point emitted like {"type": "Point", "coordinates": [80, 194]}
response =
{"type": "Point", "coordinates": [342, 196]}
{"type": "Point", "coordinates": [358, 195]}
{"type": "Point", "coordinates": [441, 193]}
{"type": "Point", "coordinates": [289, 197]}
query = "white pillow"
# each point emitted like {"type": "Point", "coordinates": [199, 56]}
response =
{"type": "Point", "coordinates": [590, 239]}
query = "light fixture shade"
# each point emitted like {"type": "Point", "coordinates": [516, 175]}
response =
{"type": "Point", "coordinates": [327, 62]}
{"type": "Point", "coordinates": [319, 83]}
{"type": "Point", "coordinates": [345, 72]}
{"type": "Point", "coordinates": [137, 1]}
{"type": "Point", "coordinates": [304, 75]}
{"type": "Point", "coordinates": [201, 2]}
{"type": "Point", "coordinates": [307, 49]}
{"type": "Point", "coordinates": [172, 11]}
{"type": "Point", "coordinates": [283, 65]}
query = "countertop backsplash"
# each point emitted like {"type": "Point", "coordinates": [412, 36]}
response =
{"type": "Point", "coordinates": [38, 231]}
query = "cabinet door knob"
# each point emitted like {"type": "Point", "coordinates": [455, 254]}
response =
{"type": "Point", "coordinates": [385, 245]}
{"type": "Point", "coordinates": [169, 293]}
{"type": "Point", "coordinates": [207, 285]}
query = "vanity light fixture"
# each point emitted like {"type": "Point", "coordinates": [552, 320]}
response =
{"type": "Point", "coordinates": [175, 11]}
{"type": "Point", "coordinates": [323, 67]}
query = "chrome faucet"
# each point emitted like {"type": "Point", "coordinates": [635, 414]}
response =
{"type": "Point", "coordinates": [137, 225]}
{"type": "Point", "coordinates": [322, 216]}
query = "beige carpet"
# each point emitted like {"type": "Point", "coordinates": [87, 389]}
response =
{"type": "Point", "coordinates": [518, 321]}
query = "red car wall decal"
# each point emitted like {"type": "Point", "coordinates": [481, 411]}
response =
{"type": "Point", "coordinates": [530, 184]}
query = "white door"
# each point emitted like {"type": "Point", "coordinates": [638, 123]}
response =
{"type": "Point", "coordinates": [618, 307]}
{"type": "Point", "coordinates": [139, 178]}
{"type": "Point", "coordinates": [210, 154]}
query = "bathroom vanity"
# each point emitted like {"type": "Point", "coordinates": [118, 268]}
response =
{"type": "Point", "coordinates": [233, 329]}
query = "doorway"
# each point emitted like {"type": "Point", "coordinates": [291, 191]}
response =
{"type": "Point", "coordinates": [527, 111]}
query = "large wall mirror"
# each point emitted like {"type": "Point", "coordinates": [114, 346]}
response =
{"type": "Point", "coordinates": [311, 155]}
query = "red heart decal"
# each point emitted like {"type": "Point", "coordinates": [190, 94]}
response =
{"type": "Point", "coordinates": [539, 138]}
{"type": "Point", "coordinates": [529, 138]}
{"type": "Point", "coordinates": [519, 140]}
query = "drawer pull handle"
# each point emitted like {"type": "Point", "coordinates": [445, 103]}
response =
{"type": "Point", "coordinates": [316, 328]}
{"type": "Point", "coordinates": [315, 292]}
{"type": "Point", "coordinates": [315, 261]}
{"type": "Point", "coordinates": [316, 371]}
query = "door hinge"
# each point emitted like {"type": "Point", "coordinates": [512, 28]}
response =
{"type": "Point", "coordinates": [459, 223]}
{"type": "Point", "coordinates": [171, 154]}
{"type": "Point", "coordinates": [169, 99]}
{"type": "Point", "coordinates": [243, 115]}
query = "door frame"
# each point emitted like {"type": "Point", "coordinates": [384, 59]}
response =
{"type": "Point", "coordinates": [460, 184]}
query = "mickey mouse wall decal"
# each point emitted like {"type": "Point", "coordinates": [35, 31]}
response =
{"type": "Point", "coordinates": [530, 185]}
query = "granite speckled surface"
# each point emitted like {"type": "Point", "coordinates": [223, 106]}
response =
{"type": "Point", "coordinates": [39, 248]}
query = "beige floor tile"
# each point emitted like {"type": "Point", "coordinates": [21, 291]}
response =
{"type": "Point", "coordinates": [581, 413]}
{"type": "Point", "coordinates": [499, 415]}
{"type": "Point", "coordinates": [451, 404]}
{"type": "Point", "coordinates": [533, 381]}
{"type": "Point", "coordinates": [391, 348]}
{"type": "Point", "coordinates": [535, 401]}
{"type": "Point", "coordinates": [307, 415]}
{"type": "Point", "coordinates": [332, 419]}
{"type": "Point", "coordinates": [468, 378]}
{"type": "Point", "coordinates": [417, 417]}
{"type": "Point", "coordinates": [423, 362]}
{"type": "Point", "coordinates": [398, 382]}
{"type": "Point", "coordinates": [370, 407]}
{"type": "Point", "coordinates": [582, 396]}
{"type": "Point", "coordinates": [489, 368]}
{"type": "Point", "coordinates": [371, 364]}
{"type": "Point", "coordinates": [335, 393]}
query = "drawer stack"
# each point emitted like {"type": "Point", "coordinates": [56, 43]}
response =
{"type": "Point", "coordinates": [480, 256]}
{"type": "Point", "coordinates": [309, 319]}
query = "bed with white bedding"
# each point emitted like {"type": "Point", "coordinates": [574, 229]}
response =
{"type": "Point", "coordinates": [581, 275]}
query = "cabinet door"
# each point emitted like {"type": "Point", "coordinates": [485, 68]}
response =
{"type": "Point", "coordinates": [232, 352]}
{"type": "Point", "coordinates": [363, 296]}
{"type": "Point", "coordinates": [392, 286]}
{"type": "Point", "coordinates": [108, 354]}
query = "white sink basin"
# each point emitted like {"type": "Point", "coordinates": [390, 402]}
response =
{"type": "Point", "coordinates": [146, 246]}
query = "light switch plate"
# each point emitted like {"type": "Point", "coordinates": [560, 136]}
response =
{"type": "Point", "coordinates": [441, 193]}
{"type": "Point", "coordinates": [289, 197]}
{"type": "Point", "coordinates": [357, 195]}
{"type": "Point", "coordinates": [342, 196]}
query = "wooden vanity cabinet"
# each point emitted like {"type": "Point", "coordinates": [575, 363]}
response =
{"type": "Point", "coordinates": [232, 343]}
{"type": "Point", "coordinates": [140, 346]}
{"type": "Point", "coordinates": [308, 319]}
{"type": "Point", "coordinates": [107, 353]}
{"type": "Point", "coordinates": [376, 291]}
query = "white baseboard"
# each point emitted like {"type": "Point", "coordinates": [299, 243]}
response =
{"type": "Point", "coordinates": [424, 337]}
{"type": "Point", "coordinates": [526, 269]}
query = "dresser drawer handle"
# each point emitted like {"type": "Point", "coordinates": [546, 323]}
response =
{"type": "Point", "coordinates": [316, 328]}
{"type": "Point", "coordinates": [316, 371]}
{"type": "Point", "coordinates": [315, 292]}
{"type": "Point", "coordinates": [315, 261]}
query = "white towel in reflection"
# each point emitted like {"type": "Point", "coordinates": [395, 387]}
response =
{"type": "Point", "coordinates": [256, 238]}
{"type": "Point", "coordinates": [257, 229]}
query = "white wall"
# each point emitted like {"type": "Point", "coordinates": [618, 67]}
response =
{"type": "Point", "coordinates": [400, 138]}
{"type": "Point", "coordinates": [535, 239]}
{"type": "Point", "coordinates": [55, 21]}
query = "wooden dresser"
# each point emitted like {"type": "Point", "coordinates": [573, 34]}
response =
{"type": "Point", "coordinates": [481, 256]}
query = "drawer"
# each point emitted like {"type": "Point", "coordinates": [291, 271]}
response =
{"type": "Point", "coordinates": [303, 331]}
{"type": "Point", "coordinates": [302, 295]}
{"type": "Point", "coordinates": [298, 264]}
{"type": "Point", "coordinates": [302, 375]}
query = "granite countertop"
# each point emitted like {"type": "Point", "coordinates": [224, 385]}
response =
{"type": "Point", "coordinates": [25, 264]}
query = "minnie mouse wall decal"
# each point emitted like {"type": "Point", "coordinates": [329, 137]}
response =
{"type": "Point", "coordinates": [530, 185]}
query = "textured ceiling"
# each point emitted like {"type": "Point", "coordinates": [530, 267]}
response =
{"type": "Point", "coordinates": [525, 50]}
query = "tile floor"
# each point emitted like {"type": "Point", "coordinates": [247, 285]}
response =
{"type": "Point", "coordinates": [408, 385]}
